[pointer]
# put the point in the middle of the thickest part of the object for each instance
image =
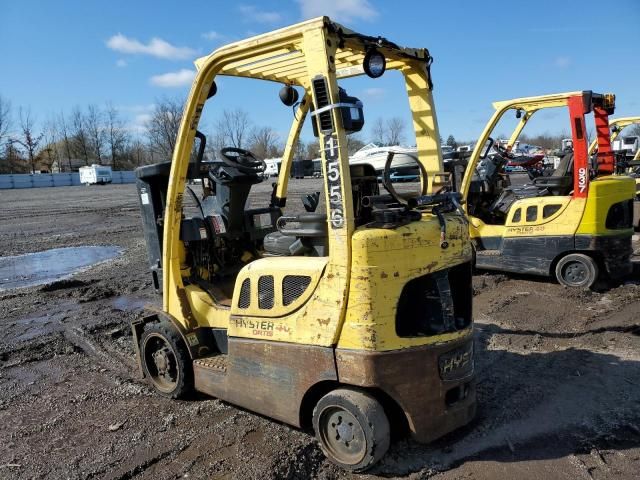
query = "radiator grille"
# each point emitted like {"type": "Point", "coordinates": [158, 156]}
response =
{"type": "Point", "coordinates": [245, 294]}
{"type": "Point", "coordinates": [293, 286]}
{"type": "Point", "coordinates": [265, 292]}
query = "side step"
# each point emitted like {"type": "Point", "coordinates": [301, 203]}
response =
{"type": "Point", "coordinates": [488, 253]}
{"type": "Point", "coordinates": [216, 363]}
{"type": "Point", "coordinates": [210, 375]}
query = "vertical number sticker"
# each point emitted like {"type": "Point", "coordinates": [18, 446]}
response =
{"type": "Point", "coordinates": [582, 179]}
{"type": "Point", "coordinates": [334, 188]}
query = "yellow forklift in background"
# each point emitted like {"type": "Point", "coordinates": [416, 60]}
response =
{"type": "Point", "coordinates": [629, 164]}
{"type": "Point", "coordinates": [574, 223]}
{"type": "Point", "coordinates": [354, 321]}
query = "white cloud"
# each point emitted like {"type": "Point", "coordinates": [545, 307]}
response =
{"type": "Point", "coordinates": [562, 62]}
{"type": "Point", "coordinates": [253, 14]}
{"type": "Point", "coordinates": [342, 10]}
{"type": "Point", "coordinates": [140, 121]}
{"type": "Point", "coordinates": [180, 78]}
{"type": "Point", "coordinates": [374, 92]}
{"type": "Point", "coordinates": [121, 63]}
{"type": "Point", "coordinates": [212, 35]}
{"type": "Point", "coordinates": [156, 48]}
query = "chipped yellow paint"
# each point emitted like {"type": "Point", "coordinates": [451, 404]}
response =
{"type": "Point", "coordinates": [382, 264]}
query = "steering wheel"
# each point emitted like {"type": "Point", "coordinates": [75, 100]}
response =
{"type": "Point", "coordinates": [388, 184]}
{"type": "Point", "coordinates": [243, 160]}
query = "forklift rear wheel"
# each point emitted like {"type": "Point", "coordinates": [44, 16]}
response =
{"type": "Point", "coordinates": [352, 428]}
{"type": "Point", "coordinates": [165, 360]}
{"type": "Point", "coordinates": [577, 270]}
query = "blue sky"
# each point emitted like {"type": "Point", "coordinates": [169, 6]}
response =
{"type": "Point", "coordinates": [56, 55]}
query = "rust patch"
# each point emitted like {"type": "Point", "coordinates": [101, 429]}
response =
{"type": "Point", "coordinates": [185, 308]}
{"type": "Point", "coordinates": [383, 275]}
{"type": "Point", "coordinates": [430, 266]}
{"type": "Point", "coordinates": [396, 274]}
{"type": "Point", "coordinates": [324, 322]}
{"type": "Point", "coordinates": [277, 384]}
{"type": "Point", "coordinates": [420, 392]}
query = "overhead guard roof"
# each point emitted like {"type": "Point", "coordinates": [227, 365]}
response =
{"type": "Point", "coordinates": [277, 56]}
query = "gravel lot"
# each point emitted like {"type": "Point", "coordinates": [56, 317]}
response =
{"type": "Point", "coordinates": [558, 373]}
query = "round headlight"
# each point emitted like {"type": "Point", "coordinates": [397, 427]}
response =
{"type": "Point", "coordinates": [374, 63]}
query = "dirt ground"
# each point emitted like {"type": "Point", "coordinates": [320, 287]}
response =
{"type": "Point", "coordinates": [558, 373]}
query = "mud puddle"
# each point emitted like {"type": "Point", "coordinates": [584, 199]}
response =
{"type": "Point", "coordinates": [50, 265]}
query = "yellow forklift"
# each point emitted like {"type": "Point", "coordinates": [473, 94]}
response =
{"type": "Point", "coordinates": [631, 166]}
{"type": "Point", "coordinates": [355, 321]}
{"type": "Point", "coordinates": [574, 222]}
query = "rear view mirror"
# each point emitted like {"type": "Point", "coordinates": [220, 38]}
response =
{"type": "Point", "coordinates": [487, 148]}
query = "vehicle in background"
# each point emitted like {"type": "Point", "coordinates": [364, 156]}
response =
{"type": "Point", "coordinates": [574, 223]}
{"type": "Point", "coordinates": [95, 174]}
{"type": "Point", "coordinates": [272, 167]}
{"type": "Point", "coordinates": [375, 154]}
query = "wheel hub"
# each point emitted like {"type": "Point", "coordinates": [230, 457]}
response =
{"type": "Point", "coordinates": [343, 435]}
{"type": "Point", "coordinates": [161, 362]}
{"type": "Point", "coordinates": [575, 272]}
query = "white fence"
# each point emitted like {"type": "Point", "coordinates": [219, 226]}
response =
{"type": "Point", "coordinates": [56, 179]}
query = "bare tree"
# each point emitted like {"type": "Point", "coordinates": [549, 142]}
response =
{"type": "Point", "coordinates": [395, 131]}
{"type": "Point", "coordinates": [264, 142]}
{"type": "Point", "coordinates": [163, 127]}
{"type": "Point", "coordinates": [234, 125]}
{"type": "Point", "coordinates": [80, 136]}
{"type": "Point", "coordinates": [116, 135]}
{"type": "Point", "coordinates": [95, 130]}
{"type": "Point", "coordinates": [312, 150]}
{"type": "Point", "coordinates": [634, 130]}
{"type": "Point", "coordinates": [354, 143]}
{"type": "Point", "coordinates": [30, 139]}
{"type": "Point", "coordinates": [50, 154]}
{"type": "Point", "coordinates": [379, 131]}
{"type": "Point", "coordinates": [137, 152]}
{"type": "Point", "coordinates": [5, 118]}
{"type": "Point", "coordinates": [67, 145]}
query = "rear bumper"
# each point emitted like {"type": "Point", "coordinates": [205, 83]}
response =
{"type": "Point", "coordinates": [615, 251]}
{"type": "Point", "coordinates": [413, 378]}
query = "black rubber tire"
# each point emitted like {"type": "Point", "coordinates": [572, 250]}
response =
{"type": "Point", "coordinates": [153, 335]}
{"type": "Point", "coordinates": [577, 270]}
{"type": "Point", "coordinates": [371, 432]}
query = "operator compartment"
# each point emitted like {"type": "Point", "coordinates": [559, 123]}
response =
{"type": "Point", "coordinates": [218, 233]}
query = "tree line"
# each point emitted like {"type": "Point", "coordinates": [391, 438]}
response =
{"type": "Point", "coordinates": [93, 134]}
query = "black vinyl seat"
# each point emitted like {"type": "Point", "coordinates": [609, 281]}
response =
{"type": "Point", "coordinates": [560, 182]}
{"type": "Point", "coordinates": [297, 235]}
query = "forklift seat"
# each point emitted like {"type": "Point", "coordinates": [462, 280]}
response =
{"type": "Point", "coordinates": [561, 180]}
{"type": "Point", "coordinates": [297, 235]}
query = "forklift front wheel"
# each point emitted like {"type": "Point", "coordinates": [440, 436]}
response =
{"type": "Point", "coordinates": [165, 360]}
{"type": "Point", "coordinates": [352, 428]}
{"type": "Point", "coordinates": [577, 270]}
